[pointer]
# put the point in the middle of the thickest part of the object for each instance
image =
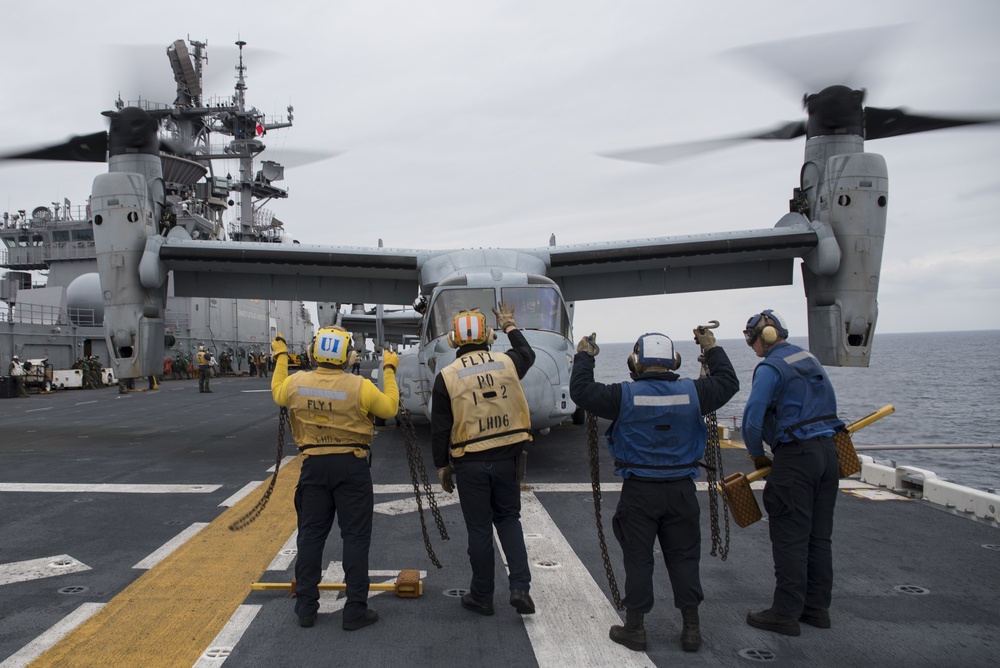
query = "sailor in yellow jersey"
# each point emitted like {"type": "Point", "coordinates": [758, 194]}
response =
{"type": "Point", "coordinates": [479, 426]}
{"type": "Point", "coordinates": [332, 422]}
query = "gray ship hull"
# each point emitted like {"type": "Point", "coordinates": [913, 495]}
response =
{"type": "Point", "coordinates": [105, 494]}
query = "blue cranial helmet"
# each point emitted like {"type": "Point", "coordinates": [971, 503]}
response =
{"type": "Point", "coordinates": [654, 349]}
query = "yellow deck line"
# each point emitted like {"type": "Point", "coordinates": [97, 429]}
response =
{"type": "Point", "coordinates": [171, 614]}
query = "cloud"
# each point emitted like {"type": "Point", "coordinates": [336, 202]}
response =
{"type": "Point", "coordinates": [477, 124]}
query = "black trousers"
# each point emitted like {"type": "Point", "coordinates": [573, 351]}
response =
{"type": "Point", "coordinates": [667, 511]}
{"type": "Point", "coordinates": [204, 375]}
{"type": "Point", "coordinates": [331, 485]}
{"type": "Point", "coordinates": [490, 495]}
{"type": "Point", "coordinates": [799, 497]}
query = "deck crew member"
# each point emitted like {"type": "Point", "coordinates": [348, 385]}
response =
{"type": "Point", "coordinates": [332, 422]}
{"type": "Point", "coordinates": [480, 424]}
{"type": "Point", "coordinates": [16, 370]}
{"type": "Point", "coordinates": [204, 360]}
{"type": "Point", "coordinates": [656, 438]}
{"type": "Point", "coordinates": [792, 407]}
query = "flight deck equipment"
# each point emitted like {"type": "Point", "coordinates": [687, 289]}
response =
{"type": "Point", "coordinates": [740, 498]}
{"type": "Point", "coordinates": [713, 468]}
{"type": "Point", "coordinates": [407, 585]}
{"type": "Point", "coordinates": [254, 512]}
{"type": "Point", "coordinates": [595, 484]}
{"type": "Point", "coordinates": [416, 462]}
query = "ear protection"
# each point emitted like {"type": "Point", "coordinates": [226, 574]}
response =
{"type": "Point", "coordinates": [769, 335]}
{"type": "Point", "coordinates": [772, 329]}
{"type": "Point", "coordinates": [653, 349]}
{"type": "Point", "coordinates": [470, 327]}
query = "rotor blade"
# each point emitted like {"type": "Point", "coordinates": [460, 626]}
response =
{"type": "Point", "coordinates": [881, 123]}
{"type": "Point", "coordinates": [664, 153]}
{"type": "Point", "coordinates": [817, 61]}
{"type": "Point", "coordinates": [298, 157]}
{"type": "Point", "coordinates": [81, 148]}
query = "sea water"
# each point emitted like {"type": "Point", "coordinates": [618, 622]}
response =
{"type": "Point", "coordinates": [945, 387]}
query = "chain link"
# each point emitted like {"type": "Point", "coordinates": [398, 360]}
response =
{"type": "Point", "coordinates": [255, 512]}
{"type": "Point", "coordinates": [595, 483]}
{"type": "Point", "coordinates": [713, 474]}
{"type": "Point", "coordinates": [416, 463]}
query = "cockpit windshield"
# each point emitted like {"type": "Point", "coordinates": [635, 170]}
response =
{"type": "Point", "coordinates": [538, 307]}
{"type": "Point", "coordinates": [450, 302]}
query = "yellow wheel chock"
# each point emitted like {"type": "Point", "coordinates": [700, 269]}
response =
{"type": "Point", "coordinates": [407, 585]}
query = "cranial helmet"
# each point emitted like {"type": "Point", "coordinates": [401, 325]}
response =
{"type": "Point", "coordinates": [201, 348]}
{"type": "Point", "coordinates": [332, 345]}
{"type": "Point", "coordinates": [654, 349]}
{"type": "Point", "coordinates": [470, 327]}
{"type": "Point", "coordinates": [16, 357]}
{"type": "Point", "coordinates": [766, 325]}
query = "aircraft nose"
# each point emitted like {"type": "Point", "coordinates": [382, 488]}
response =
{"type": "Point", "coordinates": [546, 390]}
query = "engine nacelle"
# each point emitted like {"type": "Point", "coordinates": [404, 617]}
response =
{"type": "Point", "coordinates": [123, 219]}
{"type": "Point", "coordinates": [843, 308]}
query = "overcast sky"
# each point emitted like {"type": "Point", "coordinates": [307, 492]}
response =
{"type": "Point", "coordinates": [476, 124]}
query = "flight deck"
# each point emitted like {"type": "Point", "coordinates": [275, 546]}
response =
{"type": "Point", "coordinates": [115, 551]}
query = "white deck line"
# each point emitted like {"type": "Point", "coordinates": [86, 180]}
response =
{"type": "Point", "coordinates": [284, 462]}
{"type": "Point", "coordinates": [569, 602]}
{"type": "Point", "coordinates": [231, 633]}
{"type": "Point", "coordinates": [47, 639]}
{"type": "Point", "coordinates": [409, 505]}
{"type": "Point", "coordinates": [241, 494]}
{"type": "Point", "coordinates": [36, 569]}
{"type": "Point", "coordinates": [171, 545]}
{"type": "Point", "coordinates": [105, 488]}
{"type": "Point", "coordinates": [283, 561]}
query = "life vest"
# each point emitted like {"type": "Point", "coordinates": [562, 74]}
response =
{"type": "Point", "coordinates": [806, 406]}
{"type": "Point", "coordinates": [487, 402]}
{"type": "Point", "coordinates": [326, 415]}
{"type": "Point", "coordinates": [203, 359]}
{"type": "Point", "coordinates": [16, 369]}
{"type": "Point", "coordinates": [659, 432]}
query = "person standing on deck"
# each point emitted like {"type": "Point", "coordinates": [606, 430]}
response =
{"type": "Point", "coordinates": [792, 407]}
{"type": "Point", "coordinates": [331, 414]}
{"type": "Point", "coordinates": [656, 437]}
{"type": "Point", "coordinates": [480, 424]}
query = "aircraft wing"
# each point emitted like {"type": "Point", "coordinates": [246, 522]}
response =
{"type": "Point", "coordinates": [293, 272]}
{"type": "Point", "coordinates": [660, 265]}
{"type": "Point", "coordinates": [691, 263]}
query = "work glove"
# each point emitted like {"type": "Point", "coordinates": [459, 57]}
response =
{"type": "Point", "coordinates": [444, 475]}
{"type": "Point", "coordinates": [704, 337]}
{"type": "Point", "coordinates": [761, 462]}
{"type": "Point", "coordinates": [390, 360]}
{"type": "Point", "coordinates": [588, 344]}
{"type": "Point", "coordinates": [505, 316]}
{"type": "Point", "coordinates": [278, 346]}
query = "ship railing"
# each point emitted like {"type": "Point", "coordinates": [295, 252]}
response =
{"type": "Point", "coordinates": [36, 314]}
{"type": "Point", "coordinates": [84, 317]}
{"type": "Point", "coordinates": [148, 105]}
{"type": "Point", "coordinates": [71, 250]}
{"type": "Point", "coordinates": [176, 321]}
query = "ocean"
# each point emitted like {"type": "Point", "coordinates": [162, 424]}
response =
{"type": "Point", "coordinates": [945, 387]}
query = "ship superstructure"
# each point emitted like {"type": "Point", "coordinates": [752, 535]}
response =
{"type": "Point", "coordinates": [53, 306]}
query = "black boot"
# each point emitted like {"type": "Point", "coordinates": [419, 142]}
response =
{"type": "Point", "coordinates": [691, 633]}
{"type": "Point", "coordinates": [633, 634]}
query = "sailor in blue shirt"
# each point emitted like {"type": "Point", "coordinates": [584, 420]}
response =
{"type": "Point", "coordinates": [793, 408]}
{"type": "Point", "coordinates": [656, 438]}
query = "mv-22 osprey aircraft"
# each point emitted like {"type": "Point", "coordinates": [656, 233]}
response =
{"type": "Point", "coordinates": [836, 225]}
